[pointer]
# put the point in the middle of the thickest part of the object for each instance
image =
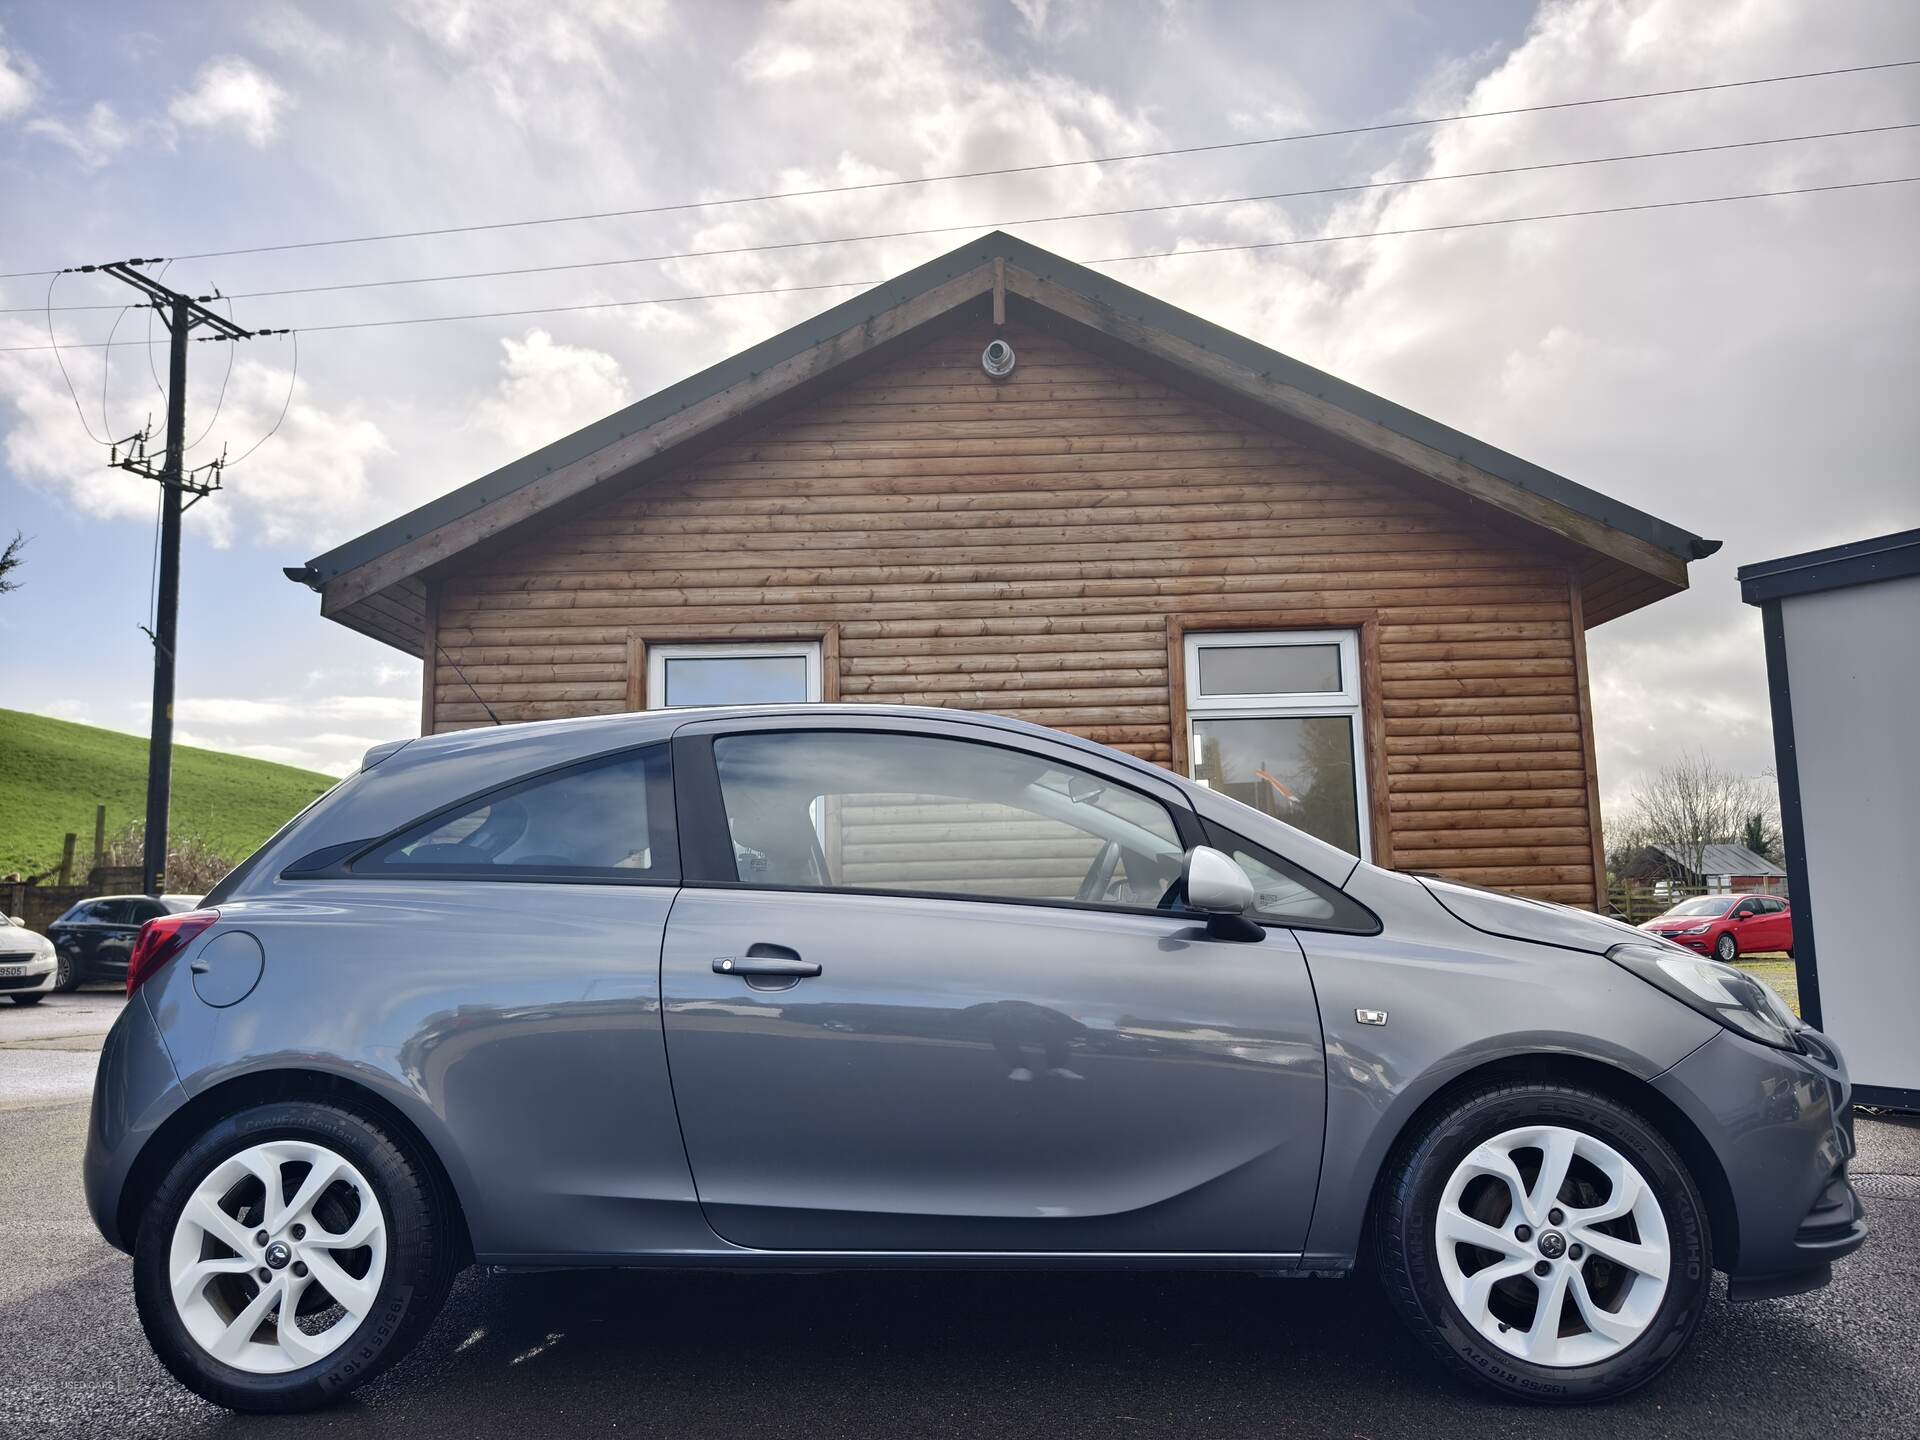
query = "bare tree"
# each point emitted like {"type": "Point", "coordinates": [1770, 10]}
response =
{"type": "Point", "coordinates": [1689, 804]}
{"type": "Point", "coordinates": [10, 561]}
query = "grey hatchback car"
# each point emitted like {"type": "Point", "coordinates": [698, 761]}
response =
{"type": "Point", "coordinates": [857, 987]}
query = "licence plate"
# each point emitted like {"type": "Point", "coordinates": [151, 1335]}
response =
{"type": "Point", "coordinates": [9, 971]}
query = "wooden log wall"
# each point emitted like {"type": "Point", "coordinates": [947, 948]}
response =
{"type": "Point", "coordinates": [1020, 547]}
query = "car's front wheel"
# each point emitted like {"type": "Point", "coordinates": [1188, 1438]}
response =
{"type": "Point", "coordinates": [33, 999]}
{"type": "Point", "coordinates": [1546, 1241]}
{"type": "Point", "coordinates": [293, 1252]}
{"type": "Point", "coordinates": [66, 975]}
{"type": "Point", "coordinates": [1726, 950]}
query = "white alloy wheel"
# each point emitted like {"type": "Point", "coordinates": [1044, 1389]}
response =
{"type": "Point", "coordinates": [277, 1256]}
{"type": "Point", "coordinates": [1553, 1246]}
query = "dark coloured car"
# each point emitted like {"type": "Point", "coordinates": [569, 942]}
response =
{"type": "Point", "coordinates": [1727, 926]}
{"type": "Point", "coordinates": [838, 987]}
{"type": "Point", "coordinates": [94, 939]}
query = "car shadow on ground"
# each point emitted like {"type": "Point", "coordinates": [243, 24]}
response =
{"type": "Point", "coordinates": [947, 1354]}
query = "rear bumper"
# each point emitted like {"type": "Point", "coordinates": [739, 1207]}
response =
{"type": "Point", "coordinates": [134, 1091]}
{"type": "Point", "coordinates": [1781, 1126]}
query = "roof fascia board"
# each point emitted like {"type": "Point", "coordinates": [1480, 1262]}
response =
{"type": "Point", "coordinates": [1884, 557]}
{"type": "Point", "coordinates": [1371, 437]}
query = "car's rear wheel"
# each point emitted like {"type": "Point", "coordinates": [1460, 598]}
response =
{"type": "Point", "coordinates": [1546, 1241]}
{"type": "Point", "coordinates": [1726, 950]}
{"type": "Point", "coordinates": [293, 1252]}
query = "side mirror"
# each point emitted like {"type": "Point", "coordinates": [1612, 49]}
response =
{"type": "Point", "coordinates": [1213, 883]}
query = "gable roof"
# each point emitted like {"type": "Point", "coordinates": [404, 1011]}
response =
{"type": "Point", "coordinates": [1627, 558]}
{"type": "Point", "coordinates": [1725, 860]}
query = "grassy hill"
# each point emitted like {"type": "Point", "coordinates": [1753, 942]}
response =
{"type": "Point", "coordinates": [53, 772]}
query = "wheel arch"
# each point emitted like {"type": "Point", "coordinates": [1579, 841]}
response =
{"type": "Point", "coordinates": [1616, 1084]}
{"type": "Point", "coordinates": [242, 1092]}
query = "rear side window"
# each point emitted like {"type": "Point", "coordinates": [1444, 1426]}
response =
{"type": "Point", "coordinates": [608, 819]}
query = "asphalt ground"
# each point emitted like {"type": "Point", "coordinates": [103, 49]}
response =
{"type": "Point", "coordinates": [635, 1353]}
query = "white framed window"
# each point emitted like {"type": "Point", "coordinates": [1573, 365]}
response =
{"type": "Point", "coordinates": [766, 672]}
{"type": "Point", "coordinates": [1273, 719]}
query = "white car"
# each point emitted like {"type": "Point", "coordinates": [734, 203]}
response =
{"type": "Point", "coordinates": [27, 964]}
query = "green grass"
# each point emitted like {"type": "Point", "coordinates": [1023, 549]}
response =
{"type": "Point", "coordinates": [1778, 972]}
{"type": "Point", "coordinates": [53, 772]}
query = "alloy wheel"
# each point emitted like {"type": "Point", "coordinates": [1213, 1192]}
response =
{"type": "Point", "coordinates": [277, 1256]}
{"type": "Point", "coordinates": [1727, 949]}
{"type": "Point", "coordinates": [1553, 1246]}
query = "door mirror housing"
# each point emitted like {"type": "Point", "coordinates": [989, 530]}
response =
{"type": "Point", "coordinates": [1212, 882]}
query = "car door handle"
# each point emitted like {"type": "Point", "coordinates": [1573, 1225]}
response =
{"type": "Point", "coordinates": [776, 960]}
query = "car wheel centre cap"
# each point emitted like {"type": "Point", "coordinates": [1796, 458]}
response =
{"type": "Point", "coordinates": [1552, 1245]}
{"type": "Point", "coordinates": [278, 1255]}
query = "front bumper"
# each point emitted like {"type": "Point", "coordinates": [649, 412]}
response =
{"type": "Point", "coordinates": [26, 975]}
{"type": "Point", "coordinates": [1781, 1126]}
{"type": "Point", "coordinates": [1700, 944]}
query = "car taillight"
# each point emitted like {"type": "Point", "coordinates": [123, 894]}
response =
{"type": "Point", "coordinates": [160, 940]}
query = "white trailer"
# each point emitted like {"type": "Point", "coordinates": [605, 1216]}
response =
{"type": "Point", "coordinates": [1842, 629]}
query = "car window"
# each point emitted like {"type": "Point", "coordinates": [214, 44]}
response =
{"type": "Point", "coordinates": [608, 819]}
{"type": "Point", "coordinates": [141, 911]}
{"type": "Point", "coordinates": [110, 912]}
{"type": "Point", "coordinates": [865, 810]}
{"type": "Point", "coordinates": [1703, 906]}
{"type": "Point", "coordinates": [1283, 894]}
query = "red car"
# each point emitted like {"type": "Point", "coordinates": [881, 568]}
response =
{"type": "Point", "coordinates": [1727, 926]}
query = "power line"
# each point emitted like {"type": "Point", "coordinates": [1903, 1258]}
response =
{"type": "Point", "coordinates": [54, 345]}
{"type": "Point", "coordinates": [1030, 169]}
{"type": "Point", "coordinates": [293, 375]}
{"type": "Point", "coordinates": [1115, 213]}
{"type": "Point", "coordinates": [1106, 260]}
{"type": "Point", "coordinates": [1507, 220]}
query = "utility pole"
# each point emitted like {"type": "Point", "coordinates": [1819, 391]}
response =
{"type": "Point", "coordinates": [182, 314]}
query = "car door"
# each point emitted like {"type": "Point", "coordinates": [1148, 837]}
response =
{"type": "Point", "coordinates": [1776, 931]}
{"type": "Point", "coordinates": [89, 934]}
{"type": "Point", "coordinates": [981, 1033]}
{"type": "Point", "coordinates": [113, 950]}
{"type": "Point", "coordinates": [1749, 928]}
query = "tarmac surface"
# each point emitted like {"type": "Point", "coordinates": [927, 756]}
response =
{"type": "Point", "coordinates": [688, 1355]}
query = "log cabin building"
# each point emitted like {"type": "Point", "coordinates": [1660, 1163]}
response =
{"type": "Point", "coordinates": [1003, 481]}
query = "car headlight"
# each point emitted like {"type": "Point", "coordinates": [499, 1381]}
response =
{"type": "Point", "coordinates": [1733, 997]}
{"type": "Point", "coordinates": [1696, 930]}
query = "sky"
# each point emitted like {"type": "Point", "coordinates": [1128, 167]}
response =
{"type": "Point", "coordinates": [1747, 371]}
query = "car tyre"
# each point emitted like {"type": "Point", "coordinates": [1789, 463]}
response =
{"type": "Point", "coordinates": [1726, 950]}
{"type": "Point", "coordinates": [1407, 1241]}
{"type": "Point", "coordinates": [419, 1257]}
{"type": "Point", "coordinates": [33, 999]}
{"type": "Point", "coordinates": [66, 976]}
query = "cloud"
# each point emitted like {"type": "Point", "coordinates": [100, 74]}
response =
{"type": "Point", "coordinates": [548, 390]}
{"type": "Point", "coordinates": [327, 733]}
{"type": "Point", "coordinates": [230, 92]}
{"type": "Point", "coordinates": [313, 477]}
{"type": "Point", "coordinates": [18, 81]}
{"type": "Point", "coordinates": [96, 139]}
